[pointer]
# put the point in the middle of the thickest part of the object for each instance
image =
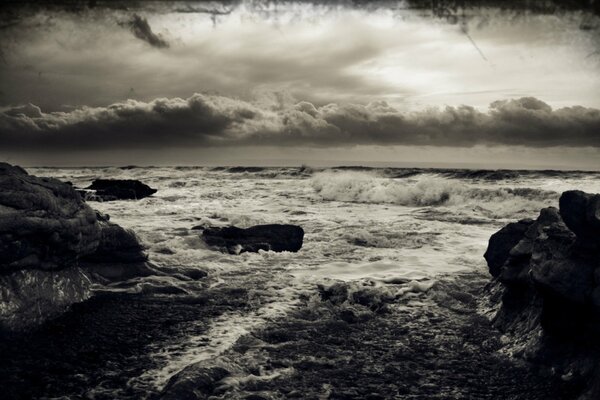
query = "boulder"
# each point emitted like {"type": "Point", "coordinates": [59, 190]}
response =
{"type": "Point", "coordinates": [549, 286]}
{"type": "Point", "coordinates": [273, 237]}
{"type": "Point", "coordinates": [502, 242]}
{"type": "Point", "coordinates": [44, 224]}
{"type": "Point", "coordinates": [116, 245]}
{"type": "Point", "coordinates": [50, 243]}
{"type": "Point", "coordinates": [581, 213]}
{"type": "Point", "coordinates": [556, 268]}
{"type": "Point", "coordinates": [117, 189]}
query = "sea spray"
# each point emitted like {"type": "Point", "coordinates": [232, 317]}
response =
{"type": "Point", "coordinates": [426, 191]}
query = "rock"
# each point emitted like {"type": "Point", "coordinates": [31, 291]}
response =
{"type": "Point", "coordinates": [573, 204]}
{"type": "Point", "coordinates": [195, 382]}
{"type": "Point", "coordinates": [549, 285]}
{"type": "Point", "coordinates": [517, 267]}
{"type": "Point", "coordinates": [555, 268]}
{"type": "Point", "coordinates": [593, 212]}
{"type": "Point", "coordinates": [260, 237]}
{"type": "Point", "coordinates": [581, 213]}
{"type": "Point", "coordinates": [502, 242]}
{"type": "Point", "coordinates": [44, 224]}
{"type": "Point", "coordinates": [118, 189]}
{"type": "Point", "coordinates": [30, 297]}
{"type": "Point", "coordinates": [117, 244]}
{"type": "Point", "coordinates": [337, 293]}
{"type": "Point", "coordinates": [50, 243]}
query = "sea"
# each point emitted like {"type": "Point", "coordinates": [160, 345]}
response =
{"type": "Point", "coordinates": [396, 229]}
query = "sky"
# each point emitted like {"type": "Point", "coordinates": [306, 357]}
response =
{"type": "Point", "coordinates": [269, 83]}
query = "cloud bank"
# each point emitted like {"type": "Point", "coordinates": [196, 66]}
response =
{"type": "Point", "coordinates": [211, 120]}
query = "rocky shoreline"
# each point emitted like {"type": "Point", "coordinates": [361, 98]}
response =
{"type": "Point", "coordinates": [530, 333]}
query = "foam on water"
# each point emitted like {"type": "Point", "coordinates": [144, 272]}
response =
{"type": "Point", "coordinates": [428, 190]}
{"type": "Point", "coordinates": [360, 226]}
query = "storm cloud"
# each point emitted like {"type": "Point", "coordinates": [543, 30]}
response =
{"type": "Point", "coordinates": [211, 120]}
{"type": "Point", "coordinates": [141, 30]}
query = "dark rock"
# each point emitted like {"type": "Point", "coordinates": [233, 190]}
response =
{"type": "Point", "coordinates": [593, 212]}
{"type": "Point", "coordinates": [195, 382]}
{"type": "Point", "coordinates": [336, 293]}
{"type": "Point", "coordinates": [118, 189]}
{"type": "Point", "coordinates": [30, 297]}
{"type": "Point", "coordinates": [549, 285]}
{"type": "Point", "coordinates": [50, 241]}
{"type": "Point", "coordinates": [260, 237]}
{"type": "Point", "coordinates": [556, 268]}
{"type": "Point", "coordinates": [195, 274]}
{"type": "Point", "coordinates": [581, 213]}
{"type": "Point", "coordinates": [44, 224]}
{"type": "Point", "coordinates": [502, 242]}
{"type": "Point", "coordinates": [117, 244]}
{"type": "Point", "coordinates": [573, 204]}
{"type": "Point", "coordinates": [517, 267]}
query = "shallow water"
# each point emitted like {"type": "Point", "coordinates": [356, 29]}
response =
{"type": "Point", "coordinates": [394, 229]}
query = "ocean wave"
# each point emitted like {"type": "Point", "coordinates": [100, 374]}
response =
{"type": "Point", "coordinates": [363, 187]}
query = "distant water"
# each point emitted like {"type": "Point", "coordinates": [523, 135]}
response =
{"type": "Point", "coordinates": [385, 226]}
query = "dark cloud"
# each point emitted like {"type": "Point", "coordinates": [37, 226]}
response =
{"type": "Point", "coordinates": [141, 29]}
{"type": "Point", "coordinates": [210, 120]}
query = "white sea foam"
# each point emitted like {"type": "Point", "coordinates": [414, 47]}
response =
{"type": "Point", "coordinates": [430, 190]}
{"type": "Point", "coordinates": [224, 331]}
{"type": "Point", "coordinates": [360, 227]}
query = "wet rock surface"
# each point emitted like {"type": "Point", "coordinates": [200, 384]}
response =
{"type": "Point", "coordinates": [273, 237]}
{"type": "Point", "coordinates": [44, 224]}
{"type": "Point", "coordinates": [48, 236]}
{"type": "Point", "coordinates": [107, 345]}
{"type": "Point", "coordinates": [545, 289]}
{"type": "Point", "coordinates": [117, 189]}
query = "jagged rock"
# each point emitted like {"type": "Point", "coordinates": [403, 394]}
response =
{"type": "Point", "coordinates": [557, 268]}
{"type": "Point", "coordinates": [50, 242]}
{"type": "Point", "coordinates": [502, 242]}
{"type": "Point", "coordinates": [260, 237]}
{"type": "Point", "coordinates": [517, 267]}
{"type": "Point", "coordinates": [549, 285]}
{"type": "Point", "coordinates": [117, 189]}
{"type": "Point", "coordinates": [581, 213]}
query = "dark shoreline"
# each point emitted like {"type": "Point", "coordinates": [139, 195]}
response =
{"type": "Point", "coordinates": [426, 345]}
{"type": "Point", "coordinates": [104, 340]}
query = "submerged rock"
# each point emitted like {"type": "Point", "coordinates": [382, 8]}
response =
{"type": "Point", "coordinates": [50, 243]}
{"type": "Point", "coordinates": [195, 382]}
{"type": "Point", "coordinates": [117, 189]}
{"type": "Point", "coordinates": [547, 287]}
{"type": "Point", "coordinates": [272, 237]}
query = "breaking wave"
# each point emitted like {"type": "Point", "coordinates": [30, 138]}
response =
{"type": "Point", "coordinates": [427, 190]}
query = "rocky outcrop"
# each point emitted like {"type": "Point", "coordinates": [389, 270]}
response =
{"type": "Point", "coordinates": [547, 288]}
{"type": "Point", "coordinates": [52, 244]}
{"type": "Point", "coordinates": [117, 189]}
{"type": "Point", "coordinates": [273, 237]}
{"type": "Point", "coordinates": [502, 241]}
